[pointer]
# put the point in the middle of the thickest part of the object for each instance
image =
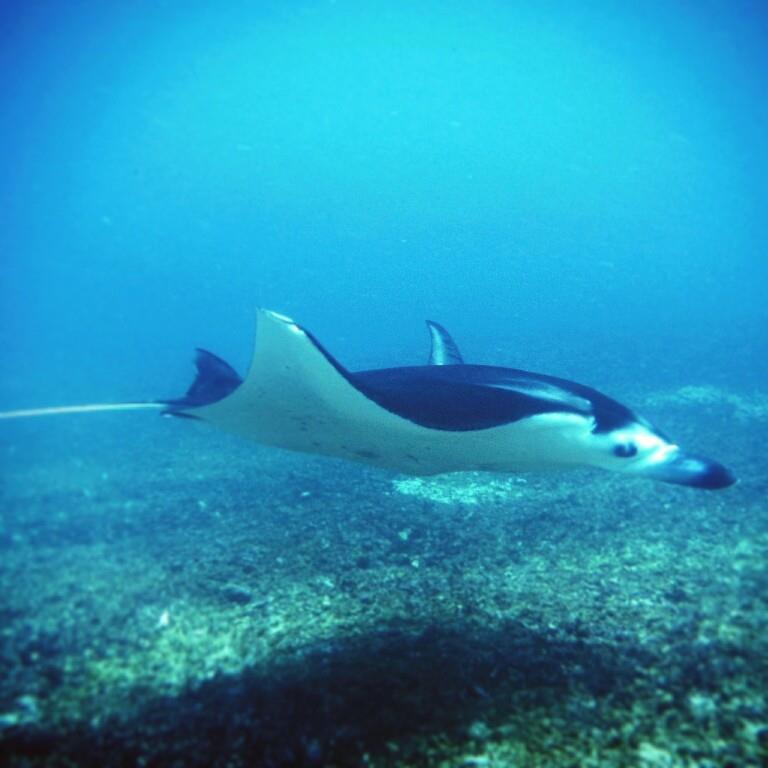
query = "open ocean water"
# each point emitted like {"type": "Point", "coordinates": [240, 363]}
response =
{"type": "Point", "coordinates": [576, 189]}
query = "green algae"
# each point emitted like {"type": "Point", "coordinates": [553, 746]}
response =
{"type": "Point", "coordinates": [462, 488]}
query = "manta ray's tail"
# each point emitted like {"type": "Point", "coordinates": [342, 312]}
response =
{"type": "Point", "coordinates": [215, 380]}
{"type": "Point", "coordinates": [27, 413]}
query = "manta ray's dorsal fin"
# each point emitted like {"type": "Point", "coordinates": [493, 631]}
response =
{"type": "Point", "coordinates": [444, 350]}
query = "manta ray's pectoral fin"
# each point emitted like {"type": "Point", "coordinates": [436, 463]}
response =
{"type": "Point", "coordinates": [444, 349]}
{"type": "Point", "coordinates": [296, 395]}
{"type": "Point", "coordinates": [215, 380]}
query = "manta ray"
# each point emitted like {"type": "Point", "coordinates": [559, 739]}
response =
{"type": "Point", "coordinates": [446, 416]}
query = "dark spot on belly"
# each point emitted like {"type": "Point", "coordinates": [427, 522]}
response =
{"type": "Point", "coordinates": [367, 454]}
{"type": "Point", "coordinates": [412, 457]}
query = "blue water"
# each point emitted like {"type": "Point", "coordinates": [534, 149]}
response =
{"type": "Point", "coordinates": [572, 188]}
{"type": "Point", "coordinates": [577, 187]}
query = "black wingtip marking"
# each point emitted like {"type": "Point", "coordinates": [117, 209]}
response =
{"type": "Point", "coordinates": [215, 379]}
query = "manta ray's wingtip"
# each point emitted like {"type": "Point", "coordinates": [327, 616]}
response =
{"type": "Point", "coordinates": [273, 315]}
{"type": "Point", "coordinates": [214, 380]}
{"type": "Point", "coordinates": [278, 318]}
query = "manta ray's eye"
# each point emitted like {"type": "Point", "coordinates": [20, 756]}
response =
{"type": "Point", "coordinates": [624, 450]}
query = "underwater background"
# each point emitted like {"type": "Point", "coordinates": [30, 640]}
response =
{"type": "Point", "coordinates": [572, 188]}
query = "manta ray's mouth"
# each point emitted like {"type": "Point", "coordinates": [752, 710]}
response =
{"type": "Point", "coordinates": [693, 471]}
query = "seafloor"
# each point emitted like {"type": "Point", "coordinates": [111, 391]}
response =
{"type": "Point", "coordinates": [173, 596]}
